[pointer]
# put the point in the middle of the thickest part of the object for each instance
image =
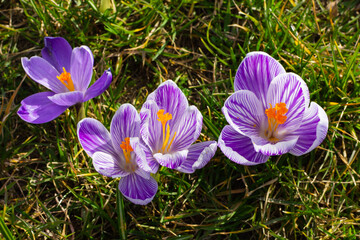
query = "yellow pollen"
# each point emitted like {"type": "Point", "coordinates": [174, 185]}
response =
{"type": "Point", "coordinates": [65, 78]}
{"type": "Point", "coordinates": [163, 118]}
{"type": "Point", "coordinates": [275, 118]}
{"type": "Point", "coordinates": [127, 149]}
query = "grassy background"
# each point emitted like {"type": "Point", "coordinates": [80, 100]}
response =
{"type": "Point", "coordinates": [48, 186]}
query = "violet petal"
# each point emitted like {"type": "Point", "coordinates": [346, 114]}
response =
{"type": "Point", "coordinates": [42, 72]}
{"type": "Point", "coordinates": [170, 98]}
{"type": "Point", "coordinates": [81, 68]}
{"type": "Point", "coordinates": [99, 86]}
{"type": "Point", "coordinates": [150, 127]}
{"type": "Point", "coordinates": [37, 108]}
{"type": "Point", "coordinates": [67, 98]}
{"type": "Point", "coordinates": [57, 52]}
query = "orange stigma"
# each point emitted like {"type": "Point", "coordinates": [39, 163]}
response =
{"type": "Point", "coordinates": [127, 149]}
{"type": "Point", "coordinates": [275, 118]}
{"type": "Point", "coordinates": [163, 118]}
{"type": "Point", "coordinates": [65, 78]}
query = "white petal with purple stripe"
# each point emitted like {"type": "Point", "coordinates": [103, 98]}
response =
{"type": "Point", "coordinates": [125, 124]}
{"type": "Point", "coordinates": [199, 155]}
{"type": "Point", "coordinates": [108, 165]}
{"type": "Point", "coordinates": [137, 189]}
{"type": "Point", "coordinates": [274, 148]}
{"type": "Point", "coordinates": [239, 148]}
{"type": "Point", "coordinates": [312, 131]}
{"type": "Point", "coordinates": [144, 157]}
{"type": "Point", "coordinates": [256, 72]}
{"type": "Point", "coordinates": [94, 137]}
{"type": "Point", "coordinates": [150, 127]}
{"type": "Point", "coordinates": [171, 160]}
{"type": "Point", "coordinates": [244, 112]}
{"type": "Point", "coordinates": [188, 129]}
{"type": "Point", "coordinates": [287, 88]}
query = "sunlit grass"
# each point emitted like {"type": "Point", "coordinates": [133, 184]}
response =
{"type": "Point", "coordinates": [49, 188]}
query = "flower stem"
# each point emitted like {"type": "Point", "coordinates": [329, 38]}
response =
{"type": "Point", "coordinates": [80, 109]}
{"type": "Point", "coordinates": [121, 214]}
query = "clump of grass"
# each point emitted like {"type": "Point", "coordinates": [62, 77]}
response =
{"type": "Point", "coordinates": [49, 188]}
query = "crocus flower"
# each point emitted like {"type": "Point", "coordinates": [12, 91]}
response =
{"type": "Point", "coordinates": [67, 73]}
{"type": "Point", "coordinates": [169, 126]}
{"type": "Point", "coordinates": [113, 155]}
{"type": "Point", "coordinates": [270, 113]}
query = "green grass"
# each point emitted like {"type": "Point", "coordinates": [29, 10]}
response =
{"type": "Point", "coordinates": [49, 188]}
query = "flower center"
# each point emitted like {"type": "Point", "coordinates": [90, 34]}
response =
{"type": "Point", "coordinates": [163, 118]}
{"type": "Point", "coordinates": [65, 78]}
{"type": "Point", "coordinates": [127, 149]}
{"type": "Point", "coordinates": [275, 118]}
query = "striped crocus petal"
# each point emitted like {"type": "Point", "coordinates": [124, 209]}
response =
{"type": "Point", "coordinates": [312, 131]}
{"type": "Point", "coordinates": [109, 165]}
{"type": "Point", "coordinates": [171, 160]}
{"type": "Point", "coordinates": [199, 155]}
{"type": "Point", "coordinates": [268, 148]}
{"type": "Point", "coordinates": [94, 137]}
{"type": "Point", "coordinates": [150, 127]}
{"type": "Point", "coordinates": [286, 106]}
{"type": "Point", "coordinates": [244, 112]}
{"type": "Point", "coordinates": [188, 129]}
{"type": "Point", "coordinates": [288, 89]}
{"type": "Point", "coordinates": [239, 148]}
{"type": "Point", "coordinates": [144, 156]}
{"type": "Point", "coordinates": [137, 189]}
{"type": "Point", "coordinates": [170, 98]}
{"type": "Point", "coordinates": [124, 124]}
{"type": "Point", "coordinates": [255, 74]}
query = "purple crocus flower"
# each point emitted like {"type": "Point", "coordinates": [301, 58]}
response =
{"type": "Point", "coordinates": [169, 126]}
{"type": "Point", "coordinates": [269, 114]}
{"type": "Point", "coordinates": [67, 73]}
{"type": "Point", "coordinates": [113, 155]}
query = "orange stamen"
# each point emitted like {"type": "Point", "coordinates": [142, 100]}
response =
{"type": "Point", "coordinates": [65, 78]}
{"type": "Point", "coordinates": [276, 116]}
{"type": "Point", "coordinates": [127, 149]}
{"type": "Point", "coordinates": [164, 118]}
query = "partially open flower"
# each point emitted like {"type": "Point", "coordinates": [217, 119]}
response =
{"type": "Point", "coordinates": [169, 127]}
{"type": "Point", "coordinates": [67, 73]}
{"type": "Point", "coordinates": [270, 113]}
{"type": "Point", "coordinates": [113, 156]}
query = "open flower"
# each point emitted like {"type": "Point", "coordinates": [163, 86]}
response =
{"type": "Point", "coordinates": [113, 155]}
{"type": "Point", "coordinates": [270, 113]}
{"type": "Point", "coordinates": [169, 126]}
{"type": "Point", "coordinates": [67, 73]}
